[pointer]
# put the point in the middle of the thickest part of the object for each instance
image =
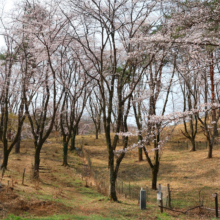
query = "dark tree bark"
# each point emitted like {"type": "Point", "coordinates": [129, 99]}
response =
{"type": "Point", "coordinates": [73, 139]}
{"type": "Point", "coordinates": [138, 118]}
{"type": "Point", "coordinates": [5, 159]}
{"type": "Point", "coordinates": [37, 161]}
{"type": "Point", "coordinates": [65, 149]}
{"type": "Point", "coordinates": [17, 145]}
{"type": "Point", "coordinates": [189, 92]}
{"type": "Point", "coordinates": [215, 128]}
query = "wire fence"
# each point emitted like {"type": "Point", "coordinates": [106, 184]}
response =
{"type": "Point", "coordinates": [200, 145]}
{"type": "Point", "coordinates": [179, 200]}
{"type": "Point", "coordinates": [203, 203]}
{"type": "Point", "coordinates": [100, 181]}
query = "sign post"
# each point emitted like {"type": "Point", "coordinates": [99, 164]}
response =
{"type": "Point", "coordinates": [160, 200]}
{"type": "Point", "coordinates": [215, 195]}
{"type": "Point", "coordinates": [143, 199]}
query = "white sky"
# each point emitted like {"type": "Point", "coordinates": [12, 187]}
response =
{"type": "Point", "coordinates": [5, 7]}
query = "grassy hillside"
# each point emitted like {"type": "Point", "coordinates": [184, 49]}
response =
{"type": "Point", "coordinates": [61, 193]}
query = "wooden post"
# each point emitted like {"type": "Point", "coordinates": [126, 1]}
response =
{"type": "Point", "coordinates": [129, 190]}
{"type": "Point", "coordinates": [23, 177]}
{"type": "Point", "coordinates": [160, 199]}
{"type": "Point", "coordinates": [169, 195]}
{"type": "Point", "coordinates": [159, 187]}
{"type": "Point", "coordinates": [216, 205]}
{"type": "Point", "coordinates": [161, 203]}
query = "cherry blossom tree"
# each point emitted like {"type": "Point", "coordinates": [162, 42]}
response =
{"type": "Point", "coordinates": [12, 87]}
{"type": "Point", "coordinates": [103, 30]}
{"type": "Point", "coordinates": [46, 30]}
{"type": "Point", "coordinates": [77, 91]}
{"type": "Point", "coordinates": [95, 111]}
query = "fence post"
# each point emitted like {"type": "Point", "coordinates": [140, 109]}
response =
{"type": "Point", "coordinates": [23, 177]}
{"type": "Point", "coordinates": [129, 190]}
{"type": "Point", "coordinates": [169, 195]}
{"type": "Point", "coordinates": [159, 187]}
{"type": "Point", "coordinates": [161, 203]}
{"type": "Point", "coordinates": [160, 198]}
{"type": "Point", "coordinates": [215, 195]}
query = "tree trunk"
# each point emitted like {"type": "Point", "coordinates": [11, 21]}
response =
{"type": "Point", "coordinates": [210, 150]}
{"type": "Point", "coordinates": [37, 162]}
{"type": "Point", "coordinates": [215, 128]}
{"type": "Point", "coordinates": [96, 133]}
{"type": "Point", "coordinates": [140, 150]}
{"type": "Point", "coordinates": [5, 159]}
{"type": "Point", "coordinates": [1, 134]}
{"type": "Point", "coordinates": [112, 195]}
{"type": "Point", "coordinates": [140, 154]}
{"type": "Point", "coordinates": [17, 145]}
{"type": "Point", "coordinates": [77, 130]}
{"type": "Point", "coordinates": [193, 145]}
{"type": "Point", "coordinates": [154, 177]}
{"type": "Point", "coordinates": [72, 148]}
{"type": "Point", "coordinates": [155, 168]}
{"type": "Point", "coordinates": [65, 149]}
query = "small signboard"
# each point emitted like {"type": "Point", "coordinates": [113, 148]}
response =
{"type": "Point", "coordinates": [159, 195]}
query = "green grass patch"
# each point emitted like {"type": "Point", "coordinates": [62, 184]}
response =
{"type": "Point", "coordinates": [58, 217]}
{"type": "Point", "coordinates": [164, 216]}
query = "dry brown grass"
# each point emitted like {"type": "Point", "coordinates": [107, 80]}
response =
{"type": "Point", "coordinates": [60, 189]}
{"type": "Point", "coordinates": [186, 172]}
